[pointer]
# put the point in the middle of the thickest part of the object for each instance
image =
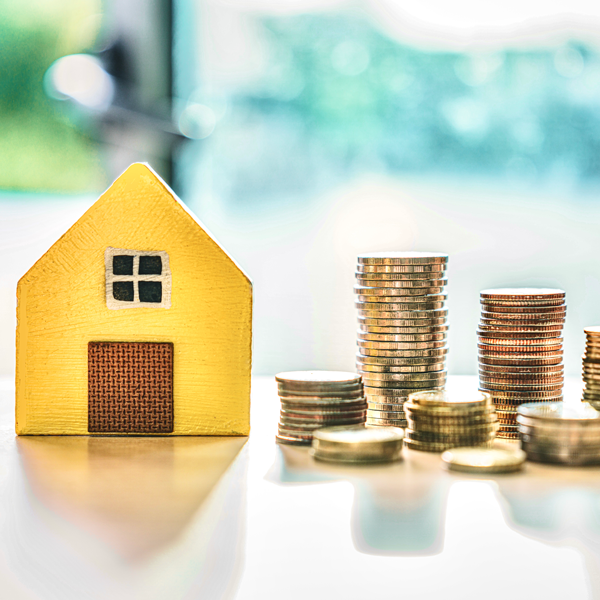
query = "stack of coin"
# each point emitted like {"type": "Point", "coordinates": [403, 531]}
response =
{"type": "Point", "coordinates": [591, 367]}
{"type": "Point", "coordinates": [438, 421]}
{"type": "Point", "coordinates": [559, 433]}
{"type": "Point", "coordinates": [520, 350]}
{"type": "Point", "coordinates": [358, 444]}
{"type": "Point", "coordinates": [402, 329]}
{"type": "Point", "coordinates": [314, 399]}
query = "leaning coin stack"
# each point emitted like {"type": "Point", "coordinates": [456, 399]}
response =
{"type": "Point", "coordinates": [520, 350]}
{"type": "Point", "coordinates": [438, 421]}
{"type": "Point", "coordinates": [314, 399]}
{"type": "Point", "coordinates": [591, 367]}
{"type": "Point", "coordinates": [559, 433]}
{"type": "Point", "coordinates": [402, 328]}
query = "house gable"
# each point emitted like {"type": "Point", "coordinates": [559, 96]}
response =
{"type": "Point", "coordinates": [62, 306]}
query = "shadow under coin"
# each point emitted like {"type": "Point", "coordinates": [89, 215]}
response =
{"type": "Point", "coordinates": [399, 508]}
{"type": "Point", "coordinates": [137, 495]}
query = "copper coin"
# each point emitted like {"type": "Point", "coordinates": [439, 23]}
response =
{"type": "Point", "coordinates": [512, 341]}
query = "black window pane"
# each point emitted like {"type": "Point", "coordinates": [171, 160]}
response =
{"type": "Point", "coordinates": [150, 291]}
{"type": "Point", "coordinates": [123, 290]}
{"type": "Point", "coordinates": [150, 265]}
{"type": "Point", "coordinates": [122, 265]}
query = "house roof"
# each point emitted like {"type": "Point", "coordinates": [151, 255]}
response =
{"type": "Point", "coordinates": [136, 176]}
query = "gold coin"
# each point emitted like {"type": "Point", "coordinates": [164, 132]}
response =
{"type": "Point", "coordinates": [386, 422]}
{"type": "Point", "coordinates": [398, 276]}
{"type": "Point", "coordinates": [399, 304]}
{"type": "Point", "coordinates": [409, 377]}
{"type": "Point", "coordinates": [394, 295]}
{"type": "Point", "coordinates": [396, 408]}
{"type": "Point", "coordinates": [381, 414]}
{"type": "Point", "coordinates": [377, 392]}
{"type": "Point", "coordinates": [357, 439]}
{"type": "Point", "coordinates": [428, 384]}
{"type": "Point", "coordinates": [402, 258]}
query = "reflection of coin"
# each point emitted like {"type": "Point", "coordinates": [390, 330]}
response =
{"type": "Point", "coordinates": [484, 460]}
{"type": "Point", "coordinates": [402, 258]}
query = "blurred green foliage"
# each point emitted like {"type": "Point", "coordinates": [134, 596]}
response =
{"type": "Point", "coordinates": [41, 145]}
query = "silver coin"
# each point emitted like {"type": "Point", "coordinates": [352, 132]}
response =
{"type": "Point", "coordinates": [402, 314]}
{"type": "Point", "coordinates": [426, 378]}
{"type": "Point", "coordinates": [433, 368]}
{"type": "Point", "coordinates": [401, 337]}
{"type": "Point", "coordinates": [416, 284]}
{"type": "Point", "coordinates": [403, 330]}
{"type": "Point", "coordinates": [428, 352]}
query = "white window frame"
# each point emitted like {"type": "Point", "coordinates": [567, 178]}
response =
{"type": "Point", "coordinates": [165, 278]}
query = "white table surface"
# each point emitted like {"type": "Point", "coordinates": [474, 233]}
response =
{"type": "Point", "coordinates": [212, 518]}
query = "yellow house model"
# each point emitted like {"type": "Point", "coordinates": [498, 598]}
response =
{"type": "Point", "coordinates": [135, 322]}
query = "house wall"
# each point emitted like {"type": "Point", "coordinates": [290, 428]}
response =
{"type": "Point", "coordinates": [62, 307]}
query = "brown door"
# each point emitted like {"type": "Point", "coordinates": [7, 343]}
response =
{"type": "Point", "coordinates": [130, 387]}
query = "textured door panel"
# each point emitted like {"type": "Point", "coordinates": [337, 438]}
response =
{"type": "Point", "coordinates": [130, 387]}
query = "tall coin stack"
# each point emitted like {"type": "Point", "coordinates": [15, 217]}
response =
{"type": "Point", "coordinates": [520, 350]}
{"type": "Point", "coordinates": [314, 399]}
{"type": "Point", "coordinates": [402, 328]}
{"type": "Point", "coordinates": [591, 367]}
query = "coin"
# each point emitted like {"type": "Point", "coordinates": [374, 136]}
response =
{"type": "Point", "coordinates": [304, 425]}
{"type": "Point", "coordinates": [289, 417]}
{"type": "Point", "coordinates": [284, 439]}
{"type": "Point", "coordinates": [398, 276]}
{"type": "Point", "coordinates": [401, 345]}
{"type": "Point", "coordinates": [357, 444]}
{"type": "Point", "coordinates": [447, 400]}
{"type": "Point", "coordinates": [397, 408]}
{"type": "Point", "coordinates": [399, 392]}
{"type": "Point", "coordinates": [507, 330]}
{"type": "Point", "coordinates": [395, 269]}
{"type": "Point", "coordinates": [334, 396]}
{"type": "Point", "coordinates": [401, 337]}
{"type": "Point", "coordinates": [514, 341]}
{"type": "Point", "coordinates": [402, 323]}
{"type": "Point", "coordinates": [399, 361]}
{"type": "Point", "coordinates": [429, 420]}
{"type": "Point", "coordinates": [522, 294]}
{"type": "Point", "coordinates": [484, 460]}
{"type": "Point", "coordinates": [508, 394]}
{"type": "Point", "coordinates": [522, 303]}
{"type": "Point", "coordinates": [518, 336]}
{"type": "Point", "coordinates": [316, 380]}
{"type": "Point", "coordinates": [434, 368]}
{"type": "Point", "coordinates": [519, 369]}
{"type": "Point", "coordinates": [524, 361]}
{"type": "Point", "coordinates": [502, 387]}
{"type": "Point", "coordinates": [398, 304]}
{"type": "Point", "coordinates": [525, 312]}
{"type": "Point", "coordinates": [448, 411]}
{"type": "Point", "coordinates": [401, 315]}
{"type": "Point", "coordinates": [373, 421]}
{"type": "Point", "coordinates": [492, 351]}
{"type": "Point", "coordinates": [527, 380]}
{"type": "Point", "coordinates": [382, 414]}
{"type": "Point", "coordinates": [430, 376]}
{"type": "Point", "coordinates": [402, 258]}
{"type": "Point", "coordinates": [427, 352]}
{"type": "Point", "coordinates": [402, 330]}
{"type": "Point", "coordinates": [428, 384]}
{"type": "Point", "coordinates": [488, 321]}
{"type": "Point", "coordinates": [373, 294]}
{"type": "Point", "coordinates": [384, 284]}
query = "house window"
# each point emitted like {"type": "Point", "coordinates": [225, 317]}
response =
{"type": "Point", "coordinates": [136, 279]}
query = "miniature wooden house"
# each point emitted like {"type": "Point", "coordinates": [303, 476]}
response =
{"type": "Point", "coordinates": [134, 322]}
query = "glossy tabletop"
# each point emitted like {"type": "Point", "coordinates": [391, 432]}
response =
{"type": "Point", "coordinates": [154, 518]}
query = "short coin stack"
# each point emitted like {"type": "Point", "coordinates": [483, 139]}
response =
{"type": "Point", "coordinates": [402, 329]}
{"type": "Point", "coordinates": [358, 444]}
{"type": "Point", "coordinates": [438, 421]}
{"type": "Point", "coordinates": [591, 367]}
{"type": "Point", "coordinates": [520, 350]}
{"type": "Point", "coordinates": [314, 399]}
{"type": "Point", "coordinates": [559, 433]}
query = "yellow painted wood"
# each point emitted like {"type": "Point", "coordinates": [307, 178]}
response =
{"type": "Point", "coordinates": [62, 307]}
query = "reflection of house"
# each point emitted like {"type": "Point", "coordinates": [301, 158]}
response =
{"type": "Point", "coordinates": [135, 321]}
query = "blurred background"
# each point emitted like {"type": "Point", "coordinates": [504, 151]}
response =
{"type": "Point", "coordinates": [305, 132]}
